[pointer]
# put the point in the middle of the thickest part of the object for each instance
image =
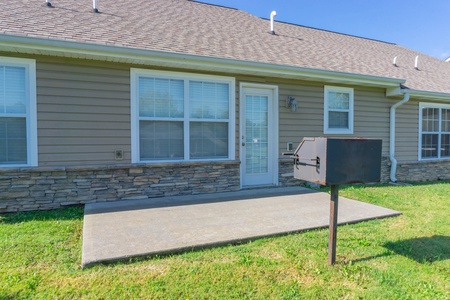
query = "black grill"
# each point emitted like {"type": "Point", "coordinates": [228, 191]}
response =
{"type": "Point", "coordinates": [331, 161]}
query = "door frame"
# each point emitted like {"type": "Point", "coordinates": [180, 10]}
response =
{"type": "Point", "coordinates": [274, 130]}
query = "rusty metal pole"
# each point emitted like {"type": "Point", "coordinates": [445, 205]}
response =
{"type": "Point", "coordinates": [334, 199]}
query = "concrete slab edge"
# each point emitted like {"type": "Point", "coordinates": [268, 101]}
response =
{"type": "Point", "coordinates": [88, 264]}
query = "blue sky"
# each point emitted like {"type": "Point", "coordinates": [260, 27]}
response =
{"type": "Point", "coordinates": [422, 25]}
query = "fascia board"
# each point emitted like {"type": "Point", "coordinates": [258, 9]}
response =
{"type": "Point", "coordinates": [188, 61]}
{"type": "Point", "coordinates": [430, 96]}
{"type": "Point", "coordinates": [420, 95]}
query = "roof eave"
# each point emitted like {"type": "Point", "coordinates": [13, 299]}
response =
{"type": "Point", "coordinates": [430, 96]}
{"type": "Point", "coordinates": [120, 54]}
{"type": "Point", "coordinates": [418, 94]}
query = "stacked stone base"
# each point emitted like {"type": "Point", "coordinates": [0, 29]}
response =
{"type": "Point", "coordinates": [406, 171]}
{"type": "Point", "coordinates": [49, 188]}
{"type": "Point", "coordinates": [423, 171]}
{"type": "Point", "coordinates": [44, 188]}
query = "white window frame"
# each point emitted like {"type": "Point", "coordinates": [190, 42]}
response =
{"type": "Point", "coordinates": [31, 114]}
{"type": "Point", "coordinates": [136, 73]}
{"type": "Point", "coordinates": [423, 105]}
{"type": "Point", "coordinates": [326, 129]}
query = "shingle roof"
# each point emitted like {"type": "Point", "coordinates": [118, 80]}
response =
{"type": "Point", "coordinates": [184, 26]}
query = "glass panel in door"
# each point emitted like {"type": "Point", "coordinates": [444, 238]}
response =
{"type": "Point", "coordinates": [256, 135]}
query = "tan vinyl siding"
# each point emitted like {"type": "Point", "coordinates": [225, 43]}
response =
{"type": "Point", "coordinates": [83, 113]}
{"type": "Point", "coordinates": [307, 121]}
{"type": "Point", "coordinates": [407, 132]}
{"type": "Point", "coordinates": [371, 114]}
{"type": "Point", "coordinates": [371, 111]}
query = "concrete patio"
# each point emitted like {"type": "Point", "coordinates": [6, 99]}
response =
{"type": "Point", "coordinates": [120, 230]}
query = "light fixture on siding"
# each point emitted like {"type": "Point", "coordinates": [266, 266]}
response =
{"type": "Point", "coordinates": [291, 103]}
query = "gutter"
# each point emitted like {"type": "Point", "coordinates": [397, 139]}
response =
{"type": "Point", "coordinates": [392, 135]}
{"type": "Point", "coordinates": [430, 96]}
{"type": "Point", "coordinates": [122, 54]}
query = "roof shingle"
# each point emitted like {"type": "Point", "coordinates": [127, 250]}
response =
{"type": "Point", "coordinates": [184, 26]}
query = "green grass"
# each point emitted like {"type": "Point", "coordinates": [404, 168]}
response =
{"type": "Point", "coordinates": [406, 257]}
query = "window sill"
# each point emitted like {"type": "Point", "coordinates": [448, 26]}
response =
{"type": "Point", "coordinates": [336, 132]}
{"type": "Point", "coordinates": [434, 159]}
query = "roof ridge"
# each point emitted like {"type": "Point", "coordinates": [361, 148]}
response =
{"type": "Point", "coordinates": [294, 24]}
{"type": "Point", "coordinates": [212, 4]}
{"type": "Point", "coordinates": [331, 31]}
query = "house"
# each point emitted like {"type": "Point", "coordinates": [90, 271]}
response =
{"type": "Point", "coordinates": [140, 99]}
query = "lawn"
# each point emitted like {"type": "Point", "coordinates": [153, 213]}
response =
{"type": "Point", "coordinates": [405, 257]}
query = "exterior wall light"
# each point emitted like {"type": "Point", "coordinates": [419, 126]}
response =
{"type": "Point", "coordinates": [291, 103]}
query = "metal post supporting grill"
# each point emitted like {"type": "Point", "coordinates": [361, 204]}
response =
{"type": "Point", "coordinates": [335, 161]}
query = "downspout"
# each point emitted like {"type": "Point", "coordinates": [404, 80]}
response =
{"type": "Point", "coordinates": [392, 136]}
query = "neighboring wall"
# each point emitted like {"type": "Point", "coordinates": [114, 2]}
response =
{"type": "Point", "coordinates": [407, 132]}
{"type": "Point", "coordinates": [407, 149]}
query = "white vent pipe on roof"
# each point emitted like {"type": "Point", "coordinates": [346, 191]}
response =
{"type": "Point", "coordinates": [395, 61]}
{"type": "Point", "coordinates": [416, 63]}
{"type": "Point", "coordinates": [48, 3]}
{"type": "Point", "coordinates": [392, 136]}
{"type": "Point", "coordinates": [94, 5]}
{"type": "Point", "coordinates": [272, 15]}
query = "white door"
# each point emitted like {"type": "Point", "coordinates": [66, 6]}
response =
{"type": "Point", "coordinates": [259, 135]}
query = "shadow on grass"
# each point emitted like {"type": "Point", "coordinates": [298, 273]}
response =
{"type": "Point", "coordinates": [383, 185]}
{"type": "Point", "coordinates": [424, 249]}
{"type": "Point", "coordinates": [67, 213]}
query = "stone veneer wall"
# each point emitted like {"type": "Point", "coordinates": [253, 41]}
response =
{"type": "Point", "coordinates": [42, 188]}
{"type": "Point", "coordinates": [286, 174]}
{"type": "Point", "coordinates": [385, 169]}
{"type": "Point", "coordinates": [423, 171]}
{"type": "Point", "coordinates": [406, 171]}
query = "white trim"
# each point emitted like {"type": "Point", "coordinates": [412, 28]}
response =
{"type": "Point", "coordinates": [418, 95]}
{"type": "Point", "coordinates": [326, 129]}
{"type": "Point", "coordinates": [31, 114]}
{"type": "Point", "coordinates": [430, 96]}
{"type": "Point", "coordinates": [423, 105]}
{"type": "Point", "coordinates": [33, 45]}
{"type": "Point", "coordinates": [134, 114]}
{"type": "Point", "coordinates": [274, 135]}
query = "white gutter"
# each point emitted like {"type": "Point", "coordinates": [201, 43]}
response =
{"type": "Point", "coordinates": [392, 136]}
{"type": "Point", "coordinates": [430, 96]}
{"type": "Point", "coordinates": [121, 54]}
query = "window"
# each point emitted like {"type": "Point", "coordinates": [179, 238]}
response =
{"type": "Point", "coordinates": [179, 116]}
{"type": "Point", "coordinates": [18, 133]}
{"type": "Point", "coordinates": [338, 110]}
{"type": "Point", "coordinates": [434, 120]}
